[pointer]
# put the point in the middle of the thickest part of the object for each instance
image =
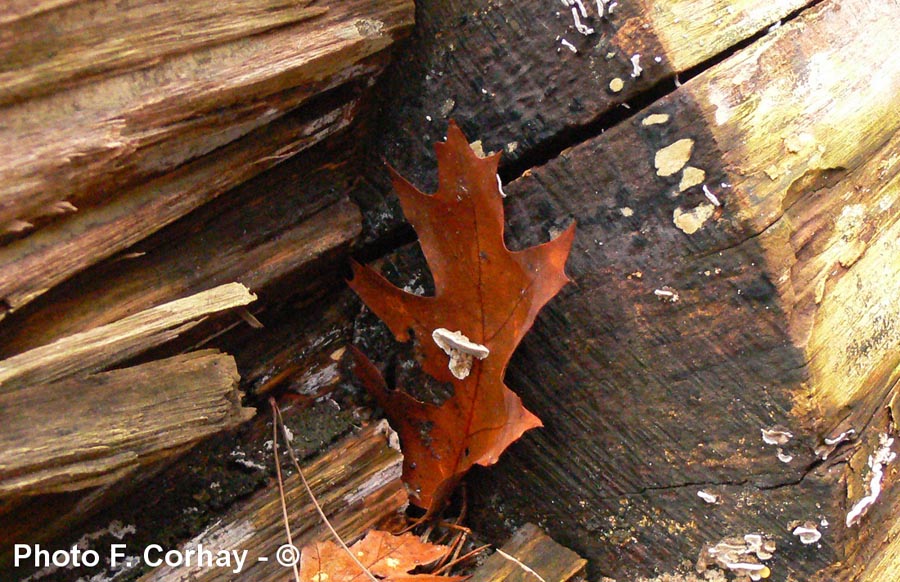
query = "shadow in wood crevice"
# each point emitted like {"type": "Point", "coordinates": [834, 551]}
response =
{"type": "Point", "coordinates": [571, 136]}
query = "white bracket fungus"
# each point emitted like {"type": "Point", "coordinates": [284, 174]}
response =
{"type": "Point", "coordinates": [877, 462]}
{"type": "Point", "coordinates": [808, 533]}
{"type": "Point", "coordinates": [462, 352]}
{"type": "Point", "coordinates": [776, 435]}
{"type": "Point", "coordinates": [739, 556]}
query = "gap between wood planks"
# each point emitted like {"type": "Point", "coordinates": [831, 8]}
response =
{"type": "Point", "coordinates": [571, 136]}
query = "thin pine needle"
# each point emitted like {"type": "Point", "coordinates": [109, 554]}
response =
{"type": "Point", "coordinates": [290, 451]}
{"type": "Point", "coordinates": [284, 511]}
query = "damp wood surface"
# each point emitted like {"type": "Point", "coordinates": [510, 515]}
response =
{"type": "Point", "coordinates": [706, 221]}
{"type": "Point", "coordinates": [357, 483]}
{"type": "Point", "coordinates": [530, 549]}
{"type": "Point", "coordinates": [735, 190]}
{"type": "Point", "coordinates": [501, 70]}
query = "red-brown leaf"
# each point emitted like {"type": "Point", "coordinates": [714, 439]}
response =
{"type": "Point", "coordinates": [387, 556]}
{"type": "Point", "coordinates": [489, 293]}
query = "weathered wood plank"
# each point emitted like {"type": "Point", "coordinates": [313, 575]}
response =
{"type": "Point", "coordinates": [76, 43]}
{"type": "Point", "coordinates": [280, 229]}
{"type": "Point", "coordinates": [102, 346]}
{"type": "Point", "coordinates": [38, 262]}
{"type": "Point", "coordinates": [148, 411]}
{"type": "Point", "coordinates": [679, 343]}
{"type": "Point", "coordinates": [357, 483]}
{"type": "Point", "coordinates": [500, 70]}
{"type": "Point", "coordinates": [84, 145]}
{"type": "Point", "coordinates": [531, 547]}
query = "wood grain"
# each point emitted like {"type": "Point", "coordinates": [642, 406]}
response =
{"type": "Point", "coordinates": [102, 346]}
{"type": "Point", "coordinates": [120, 420]}
{"type": "Point", "coordinates": [74, 44]}
{"type": "Point", "coordinates": [535, 550]}
{"type": "Point", "coordinates": [357, 483]}
{"type": "Point", "coordinates": [84, 145]}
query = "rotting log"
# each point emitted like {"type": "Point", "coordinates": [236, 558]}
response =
{"type": "Point", "coordinates": [529, 554]}
{"type": "Point", "coordinates": [734, 272]}
{"type": "Point", "coordinates": [278, 234]}
{"type": "Point", "coordinates": [88, 183]}
{"type": "Point", "coordinates": [56, 252]}
{"type": "Point", "coordinates": [48, 50]}
{"type": "Point", "coordinates": [357, 483]}
{"type": "Point", "coordinates": [501, 71]}
{"type": "Point", "coordinates": [103, 346]}
{"type": "Point", "coordinates": [120, 420]}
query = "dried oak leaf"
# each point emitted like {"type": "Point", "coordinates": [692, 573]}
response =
{"type": "Point", "coordinates": [386, 556]}
{"type": "Point", "coordinates": [484, 291]}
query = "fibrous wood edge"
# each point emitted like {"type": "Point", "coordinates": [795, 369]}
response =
{"type": "Point", "coordinates": [102, 346]}
{"type": "Point", "coordinates": [70, 45]}
{"type": "Point", "coordinates": [816, 177]}
{"type": "Point", "coordinates": [692, 32]}
{"type": "Point", "coordinates": [357, 482]}
{"type": "Point", "coordinates": [185, 266]}
{"type": "Point", "coordinates": [530, 549]}
{"type": "Point", "coordinates": [133, 126]}
{"type": "Point", "coordinates": [113, 422]}
{"type": "Point", "coordinates": [38, 262]}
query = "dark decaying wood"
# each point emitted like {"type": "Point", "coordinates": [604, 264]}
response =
{"type": "Point", "coordinates": [357, 483]}
{"type": "Point", "coordinates": [528, 554]}
{"type": "Point", "coordinates": [725, 364]}
{"type": "Point", "coordinates": [500, 70]}
{"type": "Point", "coordinates": [694, 323]}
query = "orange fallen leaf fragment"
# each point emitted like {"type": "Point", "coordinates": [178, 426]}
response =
{"type": "Point", "coordinates": [486, 298]}
{"type": "Point", "coordinates": [386, 556]}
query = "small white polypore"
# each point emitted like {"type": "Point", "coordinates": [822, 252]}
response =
{"type": "Point", "coordinates": [461, 350]}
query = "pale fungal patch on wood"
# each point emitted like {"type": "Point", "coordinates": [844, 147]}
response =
{"type": "Point", "coordinates": [799, 142]}
{"type": "Point", "coordinates": [568, 45]}
{"type": "Point", "coordinates": [670, 159]}
{"type": "Point", "coordinates": [722, 102]}
{"type": "Point", "coordinates": [579, 12]}
{"type": "Point", "coordinates": [831, 443]}
{"type": "Point", "coordinates": [616, 85]}
{"type": "Point", "coordinates": [877, 462]}
{"type": "Point", "coordinates": [655, 119]}
{"type": "Point", "coordinates": [690, 221]}
{"type": "Point", "coordinates": [784, 457]}
{"type": "Point", "coordinates": [708, 497]}
{"type": "Point", "coordinates": [808, 533]}
{"type": "Point", "coordinates": [626, 211]}
{"type": "Point", "coordinates": [741, 557]}
{"type": "Point", "coordinates": [462, 352]}
{"type": "Point", "coordinates": [776, 435]}
{"type": "Point", "coordinates": [690, 177]}
{"type": "Point", "coordinates": [16, 226]}
{"type": "Point", "coordinates": [711, 197]}
{"type": "Point", "coordinates": [667, 294]}
{"type": "Point", "coordinates": [636, 68]}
